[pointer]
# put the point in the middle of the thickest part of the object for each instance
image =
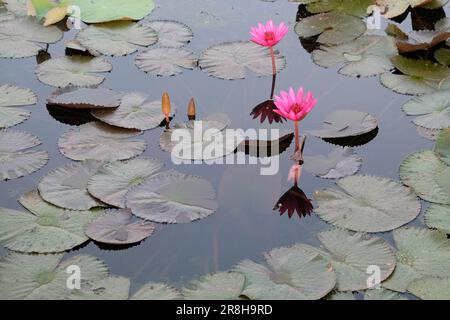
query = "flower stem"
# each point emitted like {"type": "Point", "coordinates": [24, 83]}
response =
{"type": "Point", "coordinates": [274, 67]}
{"type": "Point", "coordinates": [297, 137]}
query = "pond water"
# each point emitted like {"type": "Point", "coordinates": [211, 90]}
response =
{"type": "Point", "coordinates": [244, 226]}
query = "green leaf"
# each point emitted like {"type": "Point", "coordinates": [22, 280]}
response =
{"type": "Point", "coordinates": [110, 288]}
{"type": "Point", "coordinates": [85, 98]}
{"type": "Point", "coordinates": [165, 62]}
{"type": "Point", "coordinates": [442, 147]}
{"type": "Point", "coordinates": [442, 56]}
{"type": "Point", "coordinates": [398, 7]}
{"type": "Point", "coordinates": [10, 98]}
{"type": "Point", "coordinates": [382, 294]}
{"type": "Point", "coordinates": [431, 288]}
{"type": "Point", "coordinates": [438, 217]}
{"type": "Point", "coordinates": [156, 291]}
{"type": "Point", "coordinates": [171, 34]}
{"type": "Point", "coordinates": [218, 286]}
{"type": "Point", "coordinates": [433, 110]}
{"type": "Point", "coordinates": [352, 7]}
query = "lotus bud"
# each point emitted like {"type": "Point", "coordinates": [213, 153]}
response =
{"type": "Point", "coordinates": [166, 108]}
{"type": "Point", "coordinates": [191, 109]}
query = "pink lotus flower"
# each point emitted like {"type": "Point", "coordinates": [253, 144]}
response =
{"type": "Point", "coordinates": [268, 35]}
{"type": "Point", "coordinates": [293, 106]}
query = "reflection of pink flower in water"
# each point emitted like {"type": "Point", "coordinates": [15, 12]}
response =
{"type": "Point", "coordinates": [293, 106]}
{"type": "Point", "coordinates": [270, 34]}
{"type": "Point", "coordinates": [294, 200]}
{"type": "Point", "coordinates": [294, 173]}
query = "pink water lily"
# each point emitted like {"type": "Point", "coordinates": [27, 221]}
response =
{"type": "Point", "coordinates": [270, 34]}
{"type": "Point", "coordinates": [293, 106]}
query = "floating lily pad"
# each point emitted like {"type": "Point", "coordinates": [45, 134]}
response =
{"type": "Point", "coordinates": [341, 162]}
{"type": "Point", "coordinates": [136, 111]}
{"type": "Point", "coordinates": [24, 37]}
{"type": "Point", "coordinates": [110, 288]}
{"type": "Point", "coordinates": [382, 294]}
{"type": "Point", "coordinates": [16, 158]}
{"type": "Point", "coordinates": [432, 111]}
{"type": "Point", "coordinates": [219, 286]}
{"type": "Point", "coordinates": [113, 180]}
{"type": "Point", "coordinates": [231, 60]}
{"type": "Point", "coordinates": [80, 71]}
{"type": "Point", "coordinates": [165, 62]}
{"type": "Point", "coordinates": [44, 277]}
{"type": "Point", "coordinates": [5, 15]}
{"type": "Point", "coordinates": [398, 7]}
{"type": "Point", "coordinates": [45, 228]}
{"type": "Point", "coordinates": [85, 98]}
{"type": "Point", "coordinates": [438, 217]}
{"type": "Point", "coordinates": [336, 295]}
{"type": "Point", "coordinates": [293, 273]}
{"type": "Point", "coordinates": [171, 34]}
{"type": "Point", "coordinates": [367, 203]}
{"type": "Point", "coordinates": [421, 253]}
{"type": "Point", "coordinates": [17, 7]}
{"type": "Point", "coordinates": [443, 56]}
{"type": "Point", "coordinates": [100, 141]}
{"type": "Point", "coordinates": [442, 147]}
{"type": "Point", "coordinates": [427, 174]}
{"type": "Point", "coordinates": [10, 98]}
{"type": "Point", "coordinates": [118, 227]}
{"type": "Point", "coordinates": [200, 140]}
{"type": "Point", "coordinates": [117, 38]}
{"type": "Point", "coordinates": [156, 291]}
{"type": "Point", "coordinates": [346, 123]}
{"type": "Point", "coordinates": [172, 197]}
{"type": "Point", "coordinates": [66, 186]}
{"type": "Point", "coordinates": [352, 7]}
{"type": "Point", "coordinates": [332, 28]}
{"type": "Point", "coordinates": [366, 56]}
{"type": "Point", "coordinates": [351, 254]}
{"type": "Point", "coordinates": [430, 134]}
{"type": "Point", "coordinates": [431, 288]}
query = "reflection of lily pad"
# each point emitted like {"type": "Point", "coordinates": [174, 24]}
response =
{"type": "Point", "coordinates": [136, 111]}
{"type": "Point", "coordinates": [165, 61]}
{"type": "Point", "coordinates": [117, 38]}
{"type": "Point", "coordinates": [100, 141]}
{"type": "Point", "coordinates": [16, 160]}
{"type": "Point", "coordinates": [85, 98]}
{"type": "Point", "coordinates": [351, 254]}
{"type": "Point", "coordinates": [346, 123]}
{"type": "Point", "coordinates": [421, 253]}
{"type": "Point", "coordinates": [332, 28]}
{"type": "Point", "coordinates": [117, 227]}
{"type": "Point", "coordinates": [366, 56]}
{"type": "Point", "coordinates": [438, 217]}
{"type": "Point", "coordinates": [24, 37]}
{"type": "Point", "coordinates": [293, 273]}
{"type": "Point", "coordinates": [431, 288]}
{"type": "Point", "coordinates": [427, 175]}
{"type": "Point", "coordinates": [171, 34]}
{"type": "Point", "coordinates": [44, 228]}
{"type": "Point", "coordinates": [156, 291]}
{"type": "Point", "coordinates": [10, 98]}
{"type": "Point", "coordinates": [442, 147]}
{"type": "Point", "coordinates": [66, 186]}
{"type": "Point", "coordinates": [219, 286]}
{"type": "Point", "coordinates": [72, 71]}
{"type": "Point", "coordinates": [366, 203]}
{"type": "Point", "coordinates": [113, 180]}
{"type": "Point", "coordinates": [44, 277]}
{"type": "Point", "coordinates": [341, 162]}
{"type": "Point", "coordinates": [172, 197]}
{"type": "Point", "coordinates": [432, 111]}
{"type": "Point", "coordinates": [231, 60]}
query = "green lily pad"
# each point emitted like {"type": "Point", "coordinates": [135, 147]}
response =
{"type": "Point", "coordinates": [341, 162]}
{"type": "Point", "coordinates": [113, 180]}
{"type": "Point", "coordinates": [117, 227]}
{"type": "Point", "coordinates": [24, 37]}
{"type": "Point", "coordinates": [17, 7]}
{"type": "Point", "coordinates": [352, 7]}
{"type": "Point", "coordinates": [430, 134]}
{"type": "Point", "coordinates": [16, 158]}
{"type": "Point", "coordinates": [171, 34]}
{"type": "Point", "coordinates": [45, 228]}
{"type": "Point", "coordinates": [346, 123]}
{"type": "Point", "coordinates": [350, 255]}
{"type": "Point", "coordinates": [117, 38]}
{"type": "Point", "coordinates": [366, 56]}
{"type": "Point", "coordinates": [5, 15]}
{"type": "Point", "coordinates": [398, 7]}
{"type": "Point", "coordinates": [165, 62]}
{"type": "Point", "coordinates": [442, 147]}
{"type": "Point", "coordinates": [431, 288]}
{"type": "Point", "coordinates": [232, 60]}
{"type": "Point", "coordinates": [432, 110]}
{"type": "Point", "coordinates": [333, 28]}
{"type": "Point", "coordinates": [66, 186]}
{"type": "Point", "coordinates": [156, 291]}
{"type": "Point", "coordinates": [292, 273]}
{"type": "Point", "coordinates": [337, 295]}
{"type": "Point", "coordinates": [426, 173]}
{"type": "Point", "coordinates": [136, 111]}
{"type": "Point", "coordinates": [172, 197]}
{"type": "Point", "coordinates": [218, 286]}
{"type": "Point", "coordinates": [110, 288]}
{"type": "Point", "coordinates": [438, 217]}
{"type": "Point", "coordinates": [442, 56]}
{"type": "Point", "coordinates": [10, 98]}
{"type": "Point", "coordinates": [421, 253]}
{"type": "Point", "coordinates": [80, 71]}
{"type": "Point", "coordinates": [367, 203]}
{"type": "Point", "coordinates": [100, 141]}
{"type": "Point", "coordinates": [44, 277]}
{"type": "Point", "coordinates": [85, 98]}
{"type": "Point", "coordinates": [382, 294]}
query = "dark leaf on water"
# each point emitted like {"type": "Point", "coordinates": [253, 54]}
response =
{"type": "Point", "coordinates": [294, 200]}
{"type": "Point", "coordinates": [264, 111]}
